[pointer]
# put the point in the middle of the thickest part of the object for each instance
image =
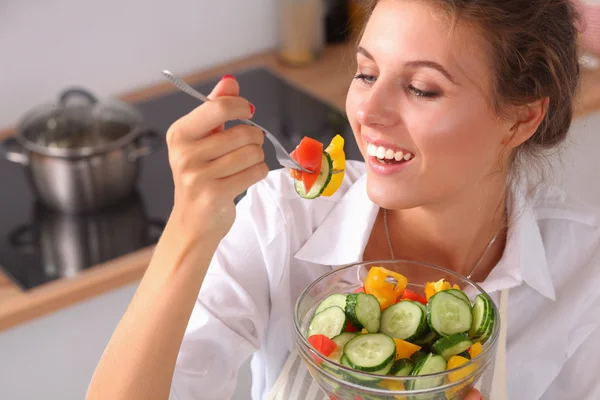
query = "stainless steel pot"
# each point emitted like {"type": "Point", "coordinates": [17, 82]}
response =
{"type": "Point", "coordinates": [81, 156]}
{"type": "Point", "coordinates": [68, 243]}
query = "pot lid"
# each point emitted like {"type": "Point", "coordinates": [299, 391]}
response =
{"type": "Point", "coordinates": [78, 124]}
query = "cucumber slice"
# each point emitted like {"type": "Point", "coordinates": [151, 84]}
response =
{"type": "Point", "coordinates": [336, 299]}
{"type": "Point", "coordinates": [341, 341]}
{"type": "Point", "coordinates": [452, 345]}
{"type": "Point", "coordinates": [423, 307]}
{"type": "Point", "coordinates": [329, 322]}
{"type": "Point", "coordinates": [460, 294]}
{"type": "Point", "coordinates": [370, 352]}
{"type": "Point", "coordinates": [321, 183]}
{"type": "Point", "coordinates": [402, 367]}
{"type": "Point", "coordinates": [427, 340]}
{"type": "Point", "coordinates": [486, 335]}
{"type": "Point", "coordinates": [417, 356]}
{"type": "Point", "coordinates": [362, 379]}
{"type": "Point", "coordinates": [483, 317]}
{"type": "Point", "coordinates": [364, 311]}
{"type": "Point", "coordinates": [430, 364]}
{"type": "Point", "coordinates": [448, 314]}
{"type": "Point", "coordinates": [404, 320]}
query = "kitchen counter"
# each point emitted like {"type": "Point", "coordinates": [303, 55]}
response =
{"type": "Point", "coordinates": [327, 79]}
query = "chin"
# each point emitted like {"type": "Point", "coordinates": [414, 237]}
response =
{"type": "Point", "coordinates": [390, 195]}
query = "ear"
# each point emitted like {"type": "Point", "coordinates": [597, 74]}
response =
{"type": "Point", "coordinates": [527, 119]}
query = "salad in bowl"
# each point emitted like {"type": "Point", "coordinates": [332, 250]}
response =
{"type": "Point", "coordinates": [395, 330]}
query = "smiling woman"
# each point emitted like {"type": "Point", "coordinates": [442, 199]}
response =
{"type": "Point", "coordinates": [452, 106]}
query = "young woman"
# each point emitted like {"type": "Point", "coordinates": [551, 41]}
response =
{"type": "Point", "coordinates": [471, 92]}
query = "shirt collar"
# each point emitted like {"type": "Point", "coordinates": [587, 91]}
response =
{"type": "Point", "coordinates": [527, 244]}
{"type": "Point", "coordinates": [342, 237]}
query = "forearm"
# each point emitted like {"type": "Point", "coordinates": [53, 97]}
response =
{"type": "Point", "coordinates": [138, 362]}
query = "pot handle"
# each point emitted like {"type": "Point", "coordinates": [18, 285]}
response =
{"type": "Point", "coordinates": [148, 142]}
{"type": "Point", "coordinates": [12, 150]}
{"type": "Point", "coordinates": [68, 93]}
{"type": "Point", "coordinates": [23, 238]}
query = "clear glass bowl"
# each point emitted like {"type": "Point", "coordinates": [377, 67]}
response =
{"type": "Point", "coordinates": [342, 383]}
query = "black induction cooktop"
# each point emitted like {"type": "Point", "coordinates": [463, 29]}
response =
{"type": "Point", "coordinates": [39, 246]}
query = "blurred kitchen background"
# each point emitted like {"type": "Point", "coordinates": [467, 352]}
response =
{"type": "Point", "coordinates": [75, 237]}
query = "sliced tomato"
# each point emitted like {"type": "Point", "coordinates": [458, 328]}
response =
{"type": "Point", "coordinates": [410, 295]}
{"type": "Point", "coordinates": [359, 290]}
{"type": "Point", "coordinates": [295, 173]}
{"type": "Point", "coordinates": [323, 344]}
{"type": "Point", "coordinates": [309, 154]}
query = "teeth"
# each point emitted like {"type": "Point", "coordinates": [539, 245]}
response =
{"type": "Point", "coordinates": [372, 150]}
{"type": "Point", "coordinates": [387, 154]}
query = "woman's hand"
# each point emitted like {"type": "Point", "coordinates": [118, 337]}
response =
{"type": "Point", "coordinates": [212, 166]}
{"type": "Point", "coordinates": [474, 395]}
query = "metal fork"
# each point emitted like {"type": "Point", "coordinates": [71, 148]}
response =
{"type": "Point", "coordinates": [284, 158]}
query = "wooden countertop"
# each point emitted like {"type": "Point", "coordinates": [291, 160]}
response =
{"type": "Point", "coordinates": [327, 79]}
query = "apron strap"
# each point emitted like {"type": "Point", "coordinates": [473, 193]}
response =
{"type": "Point", "coordinates": [499, 384]}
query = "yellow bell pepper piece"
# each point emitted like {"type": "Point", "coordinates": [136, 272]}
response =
{"type": "Point", "coordinates": [386, 292]}
{"type": "Point", "coordinates": [475, 349]}
{"type": "Point", "coordinates": [432, 288]}
{"type": "Point", "coordinates": [401, 280]}
{"type": "Point", "coordinates": [338, 158]}
{"type": "Point", "coordinates": [455, 362]}
{"type": "Point", "coordinates": [405, 349]}
{"type": "Point", "coordinates": [393, 385]}
{"type": "Point", "coordinates": [364, 331]}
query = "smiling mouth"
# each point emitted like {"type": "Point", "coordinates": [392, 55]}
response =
{"type": "Point", "coordinates": [388, 156]}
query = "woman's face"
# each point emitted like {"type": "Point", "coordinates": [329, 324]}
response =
{"type": "Point", "coordinates": [423, 95]}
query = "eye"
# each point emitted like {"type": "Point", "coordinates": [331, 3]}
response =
{"type": "Point", "coordinates": [421, 93]}
{"type": "Point", "coordinates": [365, 79]}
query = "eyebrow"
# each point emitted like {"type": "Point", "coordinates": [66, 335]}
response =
{"type": "Point", "coordinates": [414, 64]}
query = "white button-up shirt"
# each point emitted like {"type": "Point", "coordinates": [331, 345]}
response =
{"type": "Point", "coordinates": [280, 243]}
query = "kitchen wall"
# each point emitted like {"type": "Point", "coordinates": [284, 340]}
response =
{"type": "Point", "coordinates": [111, 46]}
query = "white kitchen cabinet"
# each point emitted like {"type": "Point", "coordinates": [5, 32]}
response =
{"type": "Point", "coordinates": [54, 357]}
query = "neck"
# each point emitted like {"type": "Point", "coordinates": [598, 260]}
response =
{"type": "Point", "coordinates": [454, 234]}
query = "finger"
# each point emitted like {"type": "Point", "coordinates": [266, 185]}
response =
{"type": "Point", "coordinates": [236, 161]}
{"type": "Point", "coordinates": [474, 395]}
{"type": "Point", "coordinates": [227, 86]}
{"type": "Point", "coordinates": [216, 146]}
{"type": "Point", "coordinates": [203, 119]}
{"type": "Point", "coordinates": [236, 184]}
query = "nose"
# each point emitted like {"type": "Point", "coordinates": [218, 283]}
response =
{"type": "Point", "coordinates": [377, 110]}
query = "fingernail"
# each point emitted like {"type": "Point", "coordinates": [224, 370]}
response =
{"type": "Point", "coordinates": [252, 108]}
{"type": "Point", "coordinates": [228, 76]}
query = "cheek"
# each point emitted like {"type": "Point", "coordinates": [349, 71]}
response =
{"type": "Point", "coordinates": [460, 140]}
